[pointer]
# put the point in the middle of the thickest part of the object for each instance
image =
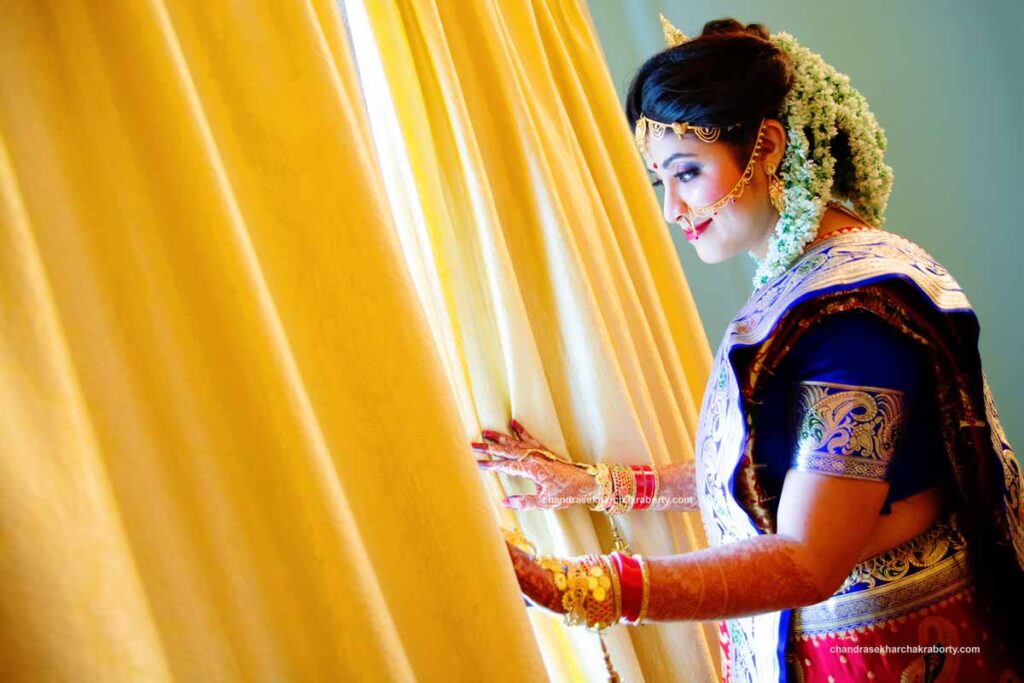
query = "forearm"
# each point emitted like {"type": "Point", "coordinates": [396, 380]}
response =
{"type": "Point", "coordinates": [761, 574]}
{"type": "Point", "coordinates": [677, 488]}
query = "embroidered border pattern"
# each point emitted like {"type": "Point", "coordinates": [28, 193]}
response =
{"type": "Point", "coordinates": [925, 570]}
{"type": "Point", "coordinates": [849, 431]}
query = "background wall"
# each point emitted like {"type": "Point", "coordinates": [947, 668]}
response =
{"type": "Point", "coordinates": [943, 79]}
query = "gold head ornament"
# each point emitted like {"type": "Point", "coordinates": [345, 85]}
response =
{"type": "Point", "coordinates": [656, 129]}
{"type": "Point", "coordinates": [673, 36]}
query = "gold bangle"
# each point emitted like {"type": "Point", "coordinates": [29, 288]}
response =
{"type": "Point", "coordinates": [517, 538]}
{"type": "Point", "coordinates": [646, 599]}
{"type": "Point", "coordinates": [603, 477]}
{"type": "Point", "coordinates": [575, 597]}
{"type": "Point", "coordinates": [588, 600]}
{"type": "Point", "coordinates": [616, 587]}
{"type": "Point", "coordinates": [624, 494]}
{"type": "Point", "coordinates": [601, 599]}
{"type": "Point", "coordinates": [657, 485]}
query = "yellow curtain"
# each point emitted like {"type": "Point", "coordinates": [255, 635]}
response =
{"type": "Point", "coordinates": [229, 449]}
{"type": "Point", "coordinates": [538, 251]}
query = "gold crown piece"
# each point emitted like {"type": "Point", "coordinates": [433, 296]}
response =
{"type": "Point", "coordinates": [657, 130]}
{"type": "Point", "coordinates": [673, 36]}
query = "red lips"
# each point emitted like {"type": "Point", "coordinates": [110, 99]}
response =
{"type": "Point", "coordinates": [697, 231]}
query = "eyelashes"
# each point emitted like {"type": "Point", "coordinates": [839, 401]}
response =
{"type": "Point", "coordinates": [683, 176]}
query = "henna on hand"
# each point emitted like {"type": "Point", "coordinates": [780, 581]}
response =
{"type": "Point", "coordinates": [560, 484]}
{"type": "Point", "coordinates": [762, 574]}
{"type": "Point", "coordinates": [535, 582]}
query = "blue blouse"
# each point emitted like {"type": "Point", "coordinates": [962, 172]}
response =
{"type": "Point", "coordinates": [853, 397]}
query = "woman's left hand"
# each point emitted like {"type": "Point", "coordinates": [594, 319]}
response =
{"type": "Point", "coordinates": [536, 583]}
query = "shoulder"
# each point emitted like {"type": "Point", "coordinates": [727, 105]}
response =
{"type": "Point", "coordinates": [871, 253]}
{"type": "Point", "coordinates": [857, 347]}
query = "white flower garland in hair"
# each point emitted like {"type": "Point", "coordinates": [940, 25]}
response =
{"type": "Point", "coordinates": [823, 101]}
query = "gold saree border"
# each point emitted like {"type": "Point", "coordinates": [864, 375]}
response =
{"type": "Point", "coordinates": [927, 570]}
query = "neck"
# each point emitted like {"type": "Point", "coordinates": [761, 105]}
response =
{"type": "Point", "coordinates": [835, 218]}
{"type": "Point", "coordinates": [760, 250]}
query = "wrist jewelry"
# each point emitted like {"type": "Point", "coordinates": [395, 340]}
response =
{"type": "Point", "coordinates": [631, 580]}
{"type": "Point", "coordinates": [622, 488]}
{"type": "Point", "coordinates": [588, 590]}
{"type": "Point", "coordinates": [625, 490]}
{"type": "Point", "coordinates": [645, 600]}
{"type": "Point", "coordinates": [605, 490]}
{"type": "Point", "coordinates": [646, 486]}
{"type": "Point", "coordinates": [517, 538]}
{"type": "Point", "coordinates": [599, 591]}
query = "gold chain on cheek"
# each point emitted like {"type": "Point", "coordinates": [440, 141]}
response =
{"type": "Point", "coordinates": [737, 191]}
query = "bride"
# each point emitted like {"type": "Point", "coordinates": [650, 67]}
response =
{"type": "Point", "coordinates": [857, 490]}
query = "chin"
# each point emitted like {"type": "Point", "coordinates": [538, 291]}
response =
{"type": "Point", "coordinates": [712, 253]}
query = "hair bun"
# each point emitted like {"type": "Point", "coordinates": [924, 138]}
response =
{"type": "Point", "coordinates": [730, 25]}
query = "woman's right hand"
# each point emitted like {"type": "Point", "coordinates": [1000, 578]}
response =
{"type": "Point", "coordinates": [559, 484]}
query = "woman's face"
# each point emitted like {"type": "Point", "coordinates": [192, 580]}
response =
{"type": "Point", "coordinates": [696, 174]}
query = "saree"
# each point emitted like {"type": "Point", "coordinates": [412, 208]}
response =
{"type": "Point", "coordinates": [887, 276]}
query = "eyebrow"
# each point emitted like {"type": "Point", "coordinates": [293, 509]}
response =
{"type": "Point", "coordinates": [671, 159]}
{"type": "Point", "coordinates": [675, 157]}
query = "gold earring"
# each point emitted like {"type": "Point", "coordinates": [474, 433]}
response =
{"type": "Point", "coordinates": [776, 188]}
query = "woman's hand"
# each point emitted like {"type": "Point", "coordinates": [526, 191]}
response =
{"type": "Point", "coordinates": [536, 583]}
{"type": "Point", "coordinates": [559, 484]}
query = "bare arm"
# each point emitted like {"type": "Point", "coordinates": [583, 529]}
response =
{"type": "Point", "coordinates": [677, 489]}
{"type": "Point", "coordinates": [824, 524]}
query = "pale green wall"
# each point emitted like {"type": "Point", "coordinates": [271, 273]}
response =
{"type": "Point", "coordinates": [944, 80]}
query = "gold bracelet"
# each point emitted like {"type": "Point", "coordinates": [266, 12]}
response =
{"type": "Point", "coordinates": [646, 599]}
{"type": "Point", "coordinates": [616, 587]}
{"type": "Point", "coordinates": [558, 571]}
{"type": "Point", "coordinates": [587, 583]}
{"type": "Point", "coordinates": [624, 481]}
{"type": "Point", "coordinates": [603, 477]}
{"type": "Point", "coordinates": [517, 538]}
{"type": "Point", "coordinates": [657, 485]}
{"type": "Point", "coordinates": [601, 599]}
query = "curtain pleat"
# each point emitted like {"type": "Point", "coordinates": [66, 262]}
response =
{"type": "Point", "coordinates": [230, 449]}
{"type": "Point", "coordinates": [552, 287]}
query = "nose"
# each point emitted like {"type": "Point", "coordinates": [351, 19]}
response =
{"type": "Point", "coordinates": [674, 207]}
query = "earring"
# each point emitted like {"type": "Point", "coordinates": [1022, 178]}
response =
{"type": "Point", "coordinates": [776, 189]}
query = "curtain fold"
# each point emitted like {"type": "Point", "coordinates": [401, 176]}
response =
{"type": "Point", "coordinates": [230, 451]}
{"type": "Point", "coordinates": [550, 282]}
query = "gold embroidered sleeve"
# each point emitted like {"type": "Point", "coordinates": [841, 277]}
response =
{"type": "Point", "coordinates": [847, 431]}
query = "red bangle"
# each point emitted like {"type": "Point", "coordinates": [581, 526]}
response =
{"type": "Point", "coordinates": [641, 487]}
{"type": "Point", "coordinates": [652, 485]}
{"type": "Point", "coordinates": [644, 486]}
{"type": "Point", "coordinates": [631, 582]}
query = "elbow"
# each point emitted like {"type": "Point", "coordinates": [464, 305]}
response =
{"type": "Point", "coordinates": [830, 577]}
{"type": "Point", "coordinates": [824, 574]}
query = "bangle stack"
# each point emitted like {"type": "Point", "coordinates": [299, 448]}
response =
{"type": "Point", "coordinates": [621, 488]}
{"type": "Point", "coordinates": [599, 591]}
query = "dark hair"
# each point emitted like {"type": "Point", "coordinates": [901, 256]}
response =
{"type": "Point", "coordinates": [729, 74]}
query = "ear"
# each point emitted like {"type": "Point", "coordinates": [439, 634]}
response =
{"type": "Point", "coordinates": [773, 145]}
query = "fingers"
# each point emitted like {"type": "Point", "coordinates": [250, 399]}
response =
{"type": "Point", "coordinates": [496, 451]}
{"type": "Point", "coordinates": [503, 439]}
{"type": "Point", "coordinates": [523, 435]}
{"type": "Point", "coordinates": [506, 449]}
{"type": "Point", "coordinates": [515, 468]}
{"type": "Point", "coordinates": [524, 503]}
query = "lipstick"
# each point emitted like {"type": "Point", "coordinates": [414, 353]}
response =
{"type": "Point", "coordinates": [697, 231]}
